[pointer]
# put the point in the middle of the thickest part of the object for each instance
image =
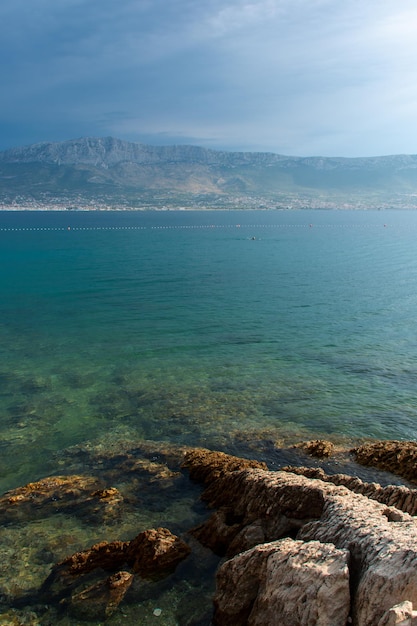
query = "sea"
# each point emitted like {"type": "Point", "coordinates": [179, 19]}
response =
{"type": "Point", "coordinates": [203, 328]}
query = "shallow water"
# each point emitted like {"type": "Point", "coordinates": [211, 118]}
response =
{"type": "Point", "coordinates": [181, 326]}
{"type": "Point", "coordinates": [203, 328]}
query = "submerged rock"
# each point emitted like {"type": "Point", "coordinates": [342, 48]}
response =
{"type": "Point", "coordinates": [398, 457]}
{"type": "Point", "coordinates": [152, 554]}
{"type": "Point", "coordinates": [100, 600]}
{"type": "Point", "coordinates": [84, 496]}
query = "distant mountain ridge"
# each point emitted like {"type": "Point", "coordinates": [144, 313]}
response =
{"type": "Point", "coordinates": [108, 151]}
{"type": "Point", "coordinates": [128, 174]}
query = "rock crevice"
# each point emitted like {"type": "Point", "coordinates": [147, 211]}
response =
{"type": "Point", "coordinates": [374, 546]}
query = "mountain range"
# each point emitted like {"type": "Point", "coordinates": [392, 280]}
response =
{"type": "Point", "coordinates": [111, 173]}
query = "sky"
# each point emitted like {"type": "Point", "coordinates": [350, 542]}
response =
{"type": "Point", "coordinates": [294, 77]}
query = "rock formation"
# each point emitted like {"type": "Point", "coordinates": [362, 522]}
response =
{"type": "Point", "coordinates": [256, 507]}
{"type": "Point", "coordinates": [100, 600]}
{"type": "Point", "coordinates": [284, 582]}
{"type": "Point", "coordinates": [298, 547]}
{"type": "Point", "coordinates": [82, 495]}
{"type": "Point", "coordinates": [319, 448]}
{"type": "Point", "coordinates": [152, 554]}
{"type": "Point", "coordinates": [397, 496]}
{"type": "Point", "coordinates": [398, 457]}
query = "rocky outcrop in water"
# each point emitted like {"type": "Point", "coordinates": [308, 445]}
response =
{"type": "Point", "coordinates": [398, 457]}
{"type": "Point", "coordinates": [152, 554]}
{"type": "Point", "coordinates": [377, 543]}
{"type": "Point", "coordinates": [398, 496]}
{"type": "Point", "coordinates": [299, 546]}
{"type": "Point", "coordinates": [82, 495]}
{"type": "Point", "coordinates": [100, 600]}
{"type": "Point", "coordinates": [319, 448]}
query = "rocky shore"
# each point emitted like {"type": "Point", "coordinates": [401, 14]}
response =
{"type": "Point", "coordinates": [299, 545]}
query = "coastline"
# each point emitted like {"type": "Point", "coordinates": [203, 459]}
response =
{"type": "Point", "coordinates": [114, 489]}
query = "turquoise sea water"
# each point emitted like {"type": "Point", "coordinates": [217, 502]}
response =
{"type": "Point", "coordinates": [186, 326]}
{"type": "Point", "coordinates": [121, 332]}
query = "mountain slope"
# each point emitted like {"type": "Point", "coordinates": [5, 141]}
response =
{"type": "Point", "coordinates": [121, 173]}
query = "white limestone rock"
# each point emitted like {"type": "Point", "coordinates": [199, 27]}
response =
{"type": "Point", "coordinates": [287, 582]}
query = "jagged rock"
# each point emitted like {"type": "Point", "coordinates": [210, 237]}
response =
{"type": "Point", "coordinates": [319, 448]}
{"type": "Point", "coordinates": [84, 496]}
{"type": "Point", "coordinates": [383, 552]}
{"type": "Point", "coordinates": [105, 555]}
{"type": "Point", "coordinates": [52, 491]}
{"type": "Point", "coordinates": [396, 496]}
{"type": "Point", "coordinates": [399, 615]}
{"type": "Point", "coordinates": [219, 531]}
{"type": "Point", "coordinates": [66, 575]}
{"type": "Point", "coordinates": [381, 540]}
{"type": "Point", "coordinates": [284, 582]}
{"type": "Point", "coordinates": [99, 601]}
{"type": "Point", "coordinates": [205, 465]}
{"type": "Point", "coordinates": [153, 553]}
{"type": "Point", "coordinates": [225, 535]}
{"type": "Point", "coordinates": [156, 552]}
{"type": "Point", "coordinates": [397, 457]}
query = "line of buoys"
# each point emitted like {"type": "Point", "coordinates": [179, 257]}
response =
{"type": "Point", "coordinates": [181, 227]}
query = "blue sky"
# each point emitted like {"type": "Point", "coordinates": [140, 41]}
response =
{"type": "Point", "coordinates": [297, 77]}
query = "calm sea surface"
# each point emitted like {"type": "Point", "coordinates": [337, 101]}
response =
{"type": "Point", "coordinates": [188, 326]}
{"type": "Point", "coordinates": [239, 331]}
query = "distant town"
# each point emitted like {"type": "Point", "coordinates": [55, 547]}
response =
{"type": "Point", "coordinates": [103, 174]}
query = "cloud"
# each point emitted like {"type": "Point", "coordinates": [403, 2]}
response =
{"type": "Point", "coordinates": [296, 76]}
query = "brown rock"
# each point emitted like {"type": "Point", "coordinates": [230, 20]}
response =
{"type": "Point", "coordinates": [219, 531]}
{"type": "Point", "coordinates": [54, 492]}
{"type": "Point", "coordinates": [104, 506]}
{"type": "Point", "coordinates": [397, 457]}
{"type": "Point", "coordinates": [251, 499]}
{"type": "Point", "coordinates": [152, 554]}
{"type": "Point", "coordinates": [99, 601]}
{"type": "Point", "coordinates": [381, 540]}
{"type": "Point", "coordinates": [229, 530]}
{"type": "Point", "coordinates": [224, 536]}
{"type": "Point", "coordinates": [397, 496]}
{"type": "Point", "coordinates": [105, 555]}
{"type": "Point", "coordinates": [284, 582]}
{"type": "Point", "coordinates": [205, 465]}
{"type": "Point", "coordinates": [319, 448]}
{"type": "Point", "coordinates": [69, 573]}
{"type": "Point", "coordinates": [156, 552]}
{"type": "Point", "coordinates": [400, 615]}
{"type": "Point", "coordinates": [144, 467]}
{"type": "Point", "coordinates": [250, 536]}
{"type": "Point", "coordinates": [84, 496]}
